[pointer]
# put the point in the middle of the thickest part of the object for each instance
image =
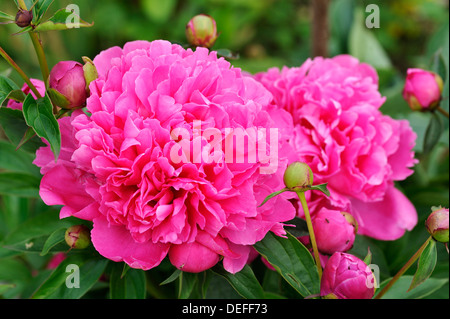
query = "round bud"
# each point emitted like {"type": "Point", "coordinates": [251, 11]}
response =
{"type": "Point", "coordinates": [298, 175]}
{"type": "Point", "coordinates": [78, 236]}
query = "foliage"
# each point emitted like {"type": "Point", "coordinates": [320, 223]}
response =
{"type": "Point", "coordinates": [266, 33]}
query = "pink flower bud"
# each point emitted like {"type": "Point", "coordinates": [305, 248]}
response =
{"type": "Point", "coordinates": [334, 231]}
{"type": "Point", "coordinates": [24, 18]}
{"type": "Point", "coordinates": [347, 277]}
{"type": "Point", "coordinates": [78, 236]}
{"type": "Point", "coordinates": [201, 30]}
{"type": "Point", "coordinates": [192, 257]}
{"type": "Point", "coordinates": [422, 90]}
{"type": "Point", "coordinates": [67, 78]}
{"type": "Point", "coordinates": [298, 175]}
{"type": "Point", "coordinates": [437, 224]}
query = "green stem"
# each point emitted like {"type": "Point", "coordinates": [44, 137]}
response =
{"type": "Point", "coordinates": [403, 269]}
{"type": "Point", "coordinates": [20, 71]}
{"type": "Point", "coordinates": [444, 112]}
{"type": "Point", "coordinates": [38, 48]}
{"type": "Point", "coordinates": [41, 55]}
{"type": "Point", "coordinates": [301, 196]}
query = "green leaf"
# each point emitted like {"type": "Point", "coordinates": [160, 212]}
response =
{"type": "Point", "coordinates": [244, 282]}
{"type": "Point", "coordinates": [130, 286]}
{"type": "Point", "coordinates": [4, 15]}
{"type": "Point", "coordinates": [425, 266]}
{"type": "Point", "coordinates": [172, 277]}
{"type": "Point", "coordinates": [40, 9]}
{"type": "Point", "coordinates": [364, 45]}
{"type": "Point", "coordinates": [321, 187]}
{"type": "Point", "coordinates": [62, 20]}
{"type": "Point", "coordinates": [14, 126]}
{"type": "Point", "coordinates": [43, 224]}
{"type": "Point", "coordinates": [399, 289]}
{"type": "Point", "coordinates": [39, 115]}
{"type": "Point", "coordinates": [57, 237]}
{"type": "Point", "coordinates": [9, 89]}
{"type": "Point", "coordinates": [433, 132]}
{"type": "Point", "coordinates": [13, 160]}
{"type": "Point", "coordinates": [273, 195]}
{"type": "Point", "coordinates": [75, 268]}
{"type": "Point", "coordinates": [368, 258]}
{"type": "Point", "coordinates": [293, 262]}
{"type": "Point", "coordinates": [187, 284]}
{"type": "Point", "coordinates": [19, 184]}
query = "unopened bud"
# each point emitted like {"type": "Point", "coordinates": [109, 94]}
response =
{"type": "Point", "coordinates": [67, 79]}
{"type": "Point", "coordinates": [78, 236]}
{"type": "Point", "coordinates": [298, 175]}
{"type": "Point", "coordinates": [24, 18]}
{"type": "Point", "coordinates": [437, 224]}
{"type": "Point", "coordinates": [201, 30]}
{"type": "Point", "coordinates": [423, 90]}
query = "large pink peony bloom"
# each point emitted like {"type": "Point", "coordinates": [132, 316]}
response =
{"type": "Point", "coordinates": [348, 143]}
{"type": "Point", "coordinates": [151, 194]}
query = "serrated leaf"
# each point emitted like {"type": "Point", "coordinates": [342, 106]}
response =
{"type": "Point", "coordinates": [425, 266]}
{"type": "Point", "coordinates": [62, 20]}
{"type": "Point", "coordinates": [39, 115]}
{"type": "Point", "coordinates": [292, 261]}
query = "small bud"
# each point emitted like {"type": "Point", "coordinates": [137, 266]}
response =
{"type": "Point", "coordinates": [298, 175]}
{"type": "Point", "coordinates": [24, 18]}
{"type": "Point", "coordinates": [423, 90]}
{"type": "Point", "coordinates": [201, 31]}
{"type": "Point", "coordinates": [78, 236]}
{"type": "Point", "coordinates": [333, 231]}
{"type": "Point", "coordinates": [347, 277]}
{"type": "Point", "coordinates": [90, 72]}
{"type": "Point", "coordinates": [67, 78]}
{"type": "Point", "coordinates": [437, 224]}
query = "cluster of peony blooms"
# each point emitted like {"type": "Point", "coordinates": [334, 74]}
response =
{"type": "Point", "coordinates": [117, 160]}
{"type": "Point", "coordinates": [117, 166]}
{"type": "Point", "coordinates": [339, 131]}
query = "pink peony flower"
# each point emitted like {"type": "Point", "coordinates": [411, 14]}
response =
{"type": "Point", "coordinates": [347, 277]}
{"type": "Point", "coordinates": [40, 86]}
{"type": "Point", "coordinates": [151, 193]}
{"type": "Point", "coordinates": [333, 231]}
{"type": "Point", "coordinates": [67, 78]}
{"type": "Point", "coordinates": [423, 89]}
{"type": "Point", "coordinates": [348, 143]}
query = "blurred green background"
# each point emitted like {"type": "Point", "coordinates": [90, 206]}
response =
{"type": "Point", "coordinates": [269, 33]}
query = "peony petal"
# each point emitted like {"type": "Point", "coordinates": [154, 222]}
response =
{"type": "Point", "coordinates": [116, 243]}
{"type": "Point", "coordinates": [387, 219]}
